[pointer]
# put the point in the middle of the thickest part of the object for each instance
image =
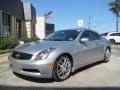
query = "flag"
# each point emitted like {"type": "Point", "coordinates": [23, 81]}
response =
{"type": "Point", "coordinates": [48, 15]}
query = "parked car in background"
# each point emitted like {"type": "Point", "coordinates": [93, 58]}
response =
{"type": "Point", "coordinates": [114, 37]}
{"type": "Point", "coordinates": [60, 54]}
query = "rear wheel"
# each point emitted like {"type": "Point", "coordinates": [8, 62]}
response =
{"type": "Point", "coordinates": [107, 55]}
{"type": "Point", "coordinates": [62, 68]}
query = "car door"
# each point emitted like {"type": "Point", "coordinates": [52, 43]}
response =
{"type": "Point", "coordinates": [86, 51]}
{"type": "Point", "coordinates": [117, 37]}
{"type": "Point", "coordinates": [98, 45]}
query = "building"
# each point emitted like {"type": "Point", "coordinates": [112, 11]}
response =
{"type": "Point", "coordinates": [30, 19]}
{"type": "Point", "coordinates": [14, 21]}
{"type": "Point", "coordinates": [43, 29]}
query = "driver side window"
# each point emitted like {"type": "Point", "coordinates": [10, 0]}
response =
{"type": "Point", "coordinates": [91, 35]}
{"type": "Point", "coordinates": [85, 34]}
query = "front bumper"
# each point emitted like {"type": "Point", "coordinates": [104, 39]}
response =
{"type": "Point", "coordinates": [38, 69]}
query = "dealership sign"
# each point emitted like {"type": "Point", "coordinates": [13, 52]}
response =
{"type": "Point", "coordinates": [80, 23]}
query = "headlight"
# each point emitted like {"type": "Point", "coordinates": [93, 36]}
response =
{"type": "Point", "coordinates": [44, 54]}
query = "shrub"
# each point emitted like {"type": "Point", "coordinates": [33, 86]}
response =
{"type": "Point", "coordinates": [5, 51]}
{"type": "Point", "coordinates": [26, 40]}
{"type": "Point", "coordinates": [6, 43]}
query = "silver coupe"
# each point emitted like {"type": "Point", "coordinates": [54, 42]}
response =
{"type": "Point", "coordinates": [60, 54]}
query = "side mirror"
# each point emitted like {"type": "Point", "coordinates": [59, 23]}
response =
{"type": "Point", "coordinates": [84, 39]}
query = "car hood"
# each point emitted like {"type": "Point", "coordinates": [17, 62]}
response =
{"type": "Point", "coordinates": [38, 46]}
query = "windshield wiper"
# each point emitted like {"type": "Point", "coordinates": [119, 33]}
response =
{"type": "Point", "coordinates": [53, 39]}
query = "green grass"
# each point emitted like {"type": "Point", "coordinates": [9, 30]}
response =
{"type": "Point", "coordinates": [5, 51]}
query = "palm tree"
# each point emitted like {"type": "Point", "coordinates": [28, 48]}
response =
{"type": "Point", "coordinates": [115, 8]}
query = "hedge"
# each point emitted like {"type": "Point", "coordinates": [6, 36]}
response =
{"type": "Point", "coordinates": [6, 43]}
{"type": "Point", "coordinates": [9, 43]}
{"type": "Point", "coordinates": [5, 51]}
{"type": "Point", "coordinates": [26, 40]}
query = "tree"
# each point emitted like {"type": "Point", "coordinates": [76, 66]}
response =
{"type": "Point", "coordinates": [115, 8]}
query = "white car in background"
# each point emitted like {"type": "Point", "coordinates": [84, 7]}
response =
{"type": "Point", "coordinates": [114, 37]}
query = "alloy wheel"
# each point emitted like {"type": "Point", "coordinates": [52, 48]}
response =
{"type": "Point", "coordinates": [62, 69]}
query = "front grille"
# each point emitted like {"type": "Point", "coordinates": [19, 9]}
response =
{"type": "Point", "coordinates": [21, 55]}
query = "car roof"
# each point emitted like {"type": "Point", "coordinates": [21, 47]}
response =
{"type": "Point", "coordinates": [77, 29]}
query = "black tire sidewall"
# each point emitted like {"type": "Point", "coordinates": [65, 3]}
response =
{"type": "Point", "coordinates": [105, 55]}
{"type": "Point", "coordinates": [55, 76]}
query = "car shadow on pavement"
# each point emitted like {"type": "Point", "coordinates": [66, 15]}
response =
{"type": "Point", "coordinates": [4, 87]}
{"type": "Point", "coordinates": [86, 67]}
{"type": "Point", "coordinates": [37, 80]}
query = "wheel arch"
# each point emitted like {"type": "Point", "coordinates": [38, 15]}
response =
{"type": "Point", "coordinates": [112, 39]}
{"type": "Point", "coordinates": [67, 54]}
{"type": "Point", "coordinates": [54, 74]}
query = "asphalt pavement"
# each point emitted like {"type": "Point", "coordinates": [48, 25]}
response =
{"type": "Point", "coordinates": [95, 76]}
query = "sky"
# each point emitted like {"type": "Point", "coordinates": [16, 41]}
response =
{"type": "Point", "coordinates": [67, 12]}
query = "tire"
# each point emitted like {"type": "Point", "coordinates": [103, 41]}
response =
{"type": "Point", "coordinates": [62, 68]}
{"type": "Point", "coordinates": [107, 55]}
{"type": "Point", "coordinates": [112, 41]}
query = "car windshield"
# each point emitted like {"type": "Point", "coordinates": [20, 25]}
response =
{"type": "Point", "coordinates": [63, 35]}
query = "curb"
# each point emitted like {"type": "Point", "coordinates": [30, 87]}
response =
{"type": "Point", "coordinates": [3, 55]}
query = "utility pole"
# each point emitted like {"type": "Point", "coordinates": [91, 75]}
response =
{"type": "Point", "coordinates": [97, 1]}
{"type": "Point", "coordinates": [89, 23]}
{"type": "Point", "coordinates": [117, 23]}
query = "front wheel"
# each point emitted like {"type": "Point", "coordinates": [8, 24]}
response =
{"type": "Point", "coordinates": [112, 41]}
{"type": "Point", "coordinates": [62, 68]}
{"type": "Point", "coordinates": [107, 55]}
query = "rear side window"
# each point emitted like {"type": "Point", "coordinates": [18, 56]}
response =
{"type": "Point", "coordinates": [95, 36]}
{"type": "Point", "coordinates": [115, 34]}
{"type": "Point", "coordinates": [118, 34]}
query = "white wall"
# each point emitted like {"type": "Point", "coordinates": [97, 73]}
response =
{"type": "Point", "coordinates": [40, 27]}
